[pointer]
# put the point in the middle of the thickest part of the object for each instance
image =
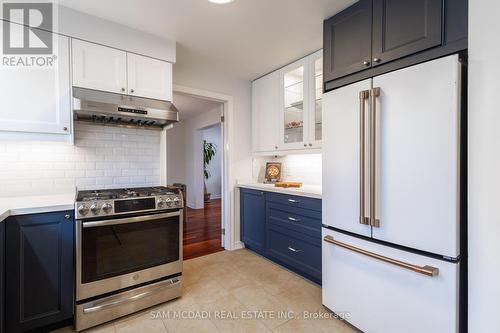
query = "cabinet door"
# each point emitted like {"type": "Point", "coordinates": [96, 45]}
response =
{"type": "Point", "coordinates": [266, 112]}
{"type": "Point", "coordinates": [39, 283]}
{"type": "Point", "coordinates": [418, 157]}
{"type": "Point", "coordinates": [347, 41]}
{"type": "Point", "coordinates": [149, 77]}
{"type": "Point", "coordinates": [37, 100]}
{"type": "Point", "coordinates": [99, 67]}
{"type": "Point", "coordinates": [294, 114]}
{"type": "Point", "coordinates": [343, 186]}
{"type": "Point", "coordinates": [404, 27]}
{"type": "Point", "coordinates": [253, 219]}
{"type": "Point", "coordinates": [316, 100]}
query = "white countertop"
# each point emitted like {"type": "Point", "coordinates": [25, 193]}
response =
{"type": "Point", "coordinates": [310, 191]}
{"type": "Point", "coordinates": [36, 204]}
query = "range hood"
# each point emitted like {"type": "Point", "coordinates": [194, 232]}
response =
{"type": "Point", "coordinates": [110, 109]}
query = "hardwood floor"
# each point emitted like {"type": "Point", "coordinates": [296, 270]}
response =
{"type": "Point", "coordinates": [202, 230]}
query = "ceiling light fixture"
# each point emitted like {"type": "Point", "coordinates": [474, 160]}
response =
{"type": "Point", "coordinates": [221, 2]}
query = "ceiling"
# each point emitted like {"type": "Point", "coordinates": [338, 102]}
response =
{"type": "Point", "coordinates": [190, 106]}
{"type": "Point", "coordinates": [246, 38]}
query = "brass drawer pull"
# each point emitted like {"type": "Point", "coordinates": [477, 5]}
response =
{"type": "Point", "coordinates": [425, 270]}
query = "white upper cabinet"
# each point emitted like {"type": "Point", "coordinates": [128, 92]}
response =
{"type": "Point", "coordinates": [287, 107]}
{"type": "Point", "coordinates": [265, 113]}
{"type": "Point", "coordinates": [294, 106]}
{"type": "Point", "coordinates": [99, 67]}
{"type": "Point", "coordinates": [37, 99]}
{"type": "Point", "coordinates": [149, 77]}
{"type": "Point", "coordinates": [103, 68]}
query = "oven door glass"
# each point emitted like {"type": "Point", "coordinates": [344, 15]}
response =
{"type": "Point", "coordinates": [116, 247]}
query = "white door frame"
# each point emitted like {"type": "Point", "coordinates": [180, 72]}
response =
{"type": "Point", "coordinates": [228, 180]}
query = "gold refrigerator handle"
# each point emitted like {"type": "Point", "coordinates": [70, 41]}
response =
{"type": "Point", "coordinates": [425, 270]}
{"type": "Point", "coordinates": [374, 93]}
{"type": "Point", "coordinates": [363, 96]}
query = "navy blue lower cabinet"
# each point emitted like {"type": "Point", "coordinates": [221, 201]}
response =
{"type": "Point", "coordinates": [39, 270]}
{"type": "Point", "coordinates": [253, 219]}
{"type": "Point", "coordinates": [299, 252]}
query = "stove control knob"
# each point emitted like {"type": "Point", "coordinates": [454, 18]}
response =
{"type": "Point", "coordinates": [83, 210]}
{"type": "Point", "coordinates": [170, 203]}
{"type": "Point", "coordinates": [177, 201]}
{"type": "Point", "coordinates": [161, 203]}
{"type": "Point", "coordinates": [95, 209]}
{"type": "Point", "coordinates": [106, 208]}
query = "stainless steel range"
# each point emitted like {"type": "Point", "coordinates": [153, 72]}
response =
{"type": "Point", "coordinates": [128, 251]}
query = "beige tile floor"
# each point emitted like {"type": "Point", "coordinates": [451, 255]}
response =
{"type": "Point", "coordinates": [233, 291]}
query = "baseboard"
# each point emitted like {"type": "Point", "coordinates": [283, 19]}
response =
{"type": "Point", "coordinates": [216, 196]}
{"type": "Point", "coordinates": [237, 246]}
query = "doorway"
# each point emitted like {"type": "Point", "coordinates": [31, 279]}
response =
{"type": "Point", "coordinates": [199, 128]}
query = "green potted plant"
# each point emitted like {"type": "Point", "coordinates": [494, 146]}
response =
{"type": "Point", "coordinates": [209, 151]}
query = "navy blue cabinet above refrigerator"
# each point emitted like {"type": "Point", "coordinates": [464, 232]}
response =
{"type": "Point", "coordinates": [373, 37]}
{"type": "Point", "coordinates": [40, 273]}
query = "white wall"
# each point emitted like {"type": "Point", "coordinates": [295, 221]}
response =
{"type": "Point", "coordinates": [102, 157]}
{"type": "Point", "coordinates": [176, 154]}
{"type": "Point", "coordinates": [186, 165]}
{"type": "Point", "coordinates": [212, 134]}
{"type": "Point", "coordinates": [484, 166]}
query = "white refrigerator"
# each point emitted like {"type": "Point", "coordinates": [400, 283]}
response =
{"type": "Point", "coordinates": [393, 204]}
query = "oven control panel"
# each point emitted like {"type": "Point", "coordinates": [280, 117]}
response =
{"type": "Point", "coordinates": [102, 208]}
{"type": "Point", "coordinates": [94, 208]}
{"type": "Point", "coordinates": [169, 202]}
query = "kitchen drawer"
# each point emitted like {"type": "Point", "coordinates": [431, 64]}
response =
{"type": "Point", "coordinates": [382, 297]}
{"type": "Point", "coordinates": [301, 220]}
{"type": "Point", "coordinates": [295, 201]}
{"type": "Point", "coordinates": [298, 252]}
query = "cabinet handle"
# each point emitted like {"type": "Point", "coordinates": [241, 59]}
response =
{"type": "Point", "coordinates": [363, 96]}
{"type": "Point", "coordinates": [132, 91]}
{"type": "Point", "coordinates": [294, 250]}
{"type": "Point", "coordinates": [366, 63]}
{"type": "Point", "coordinates": [65, 129]}
{"type": "Point", "coordinates": [67, 216]}
{"type": "Point", "coordinates": [293, 219]}
{"type": "Point", "coordinates": [425, 270]}
{"type": "Point", "coordinates": [305, 144]}
{"type": "Point", "coordinates": [310, 145]}
{"type": "Point", "coordinates": [122, 89]}
{"type": "Point", "coordinates": [374, 93]}
{"type": "Point", "coordinates": [293, 201]}
{"type": "Point", "coordinates": [275, 147]}
{"type": "Point", "coordinates": [377, 60]}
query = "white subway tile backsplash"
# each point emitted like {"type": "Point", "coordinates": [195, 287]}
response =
{"type": "Point", "coordinates": [304, 168]}
{"type": "Point", "coordinates": [102, 157]}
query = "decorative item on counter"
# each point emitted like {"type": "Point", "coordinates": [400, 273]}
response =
{"type": "Point", "coordinates": [288, 184]}
{"type": "Point", "coordinates": [273, 172]}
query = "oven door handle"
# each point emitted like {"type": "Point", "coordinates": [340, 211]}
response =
{"type": "Point", "coordinates": [136, 219]}
{"type": "Point", "coordinates": [105, 304]}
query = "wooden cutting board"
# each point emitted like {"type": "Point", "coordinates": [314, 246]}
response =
{"type": "Point", "coordinates": [288, 184]}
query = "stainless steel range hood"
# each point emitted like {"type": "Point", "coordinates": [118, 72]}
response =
{"type": "Point", "coordinates": [110, 109]}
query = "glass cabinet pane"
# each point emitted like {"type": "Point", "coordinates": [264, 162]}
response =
{"type": "Point", "coordinates": [294, 105]}
{"type": "Point", "coordinates": [318, 92]}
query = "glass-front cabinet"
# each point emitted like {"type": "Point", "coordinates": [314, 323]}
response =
{"type": "Point", "coordinates": [316, 63]}
{"type": "Point", "coordinates": [302, 90]}
{"type": "Point", "coordinates": [294, 88]}
{"type": "Point", "coordinates": [287, 107]}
